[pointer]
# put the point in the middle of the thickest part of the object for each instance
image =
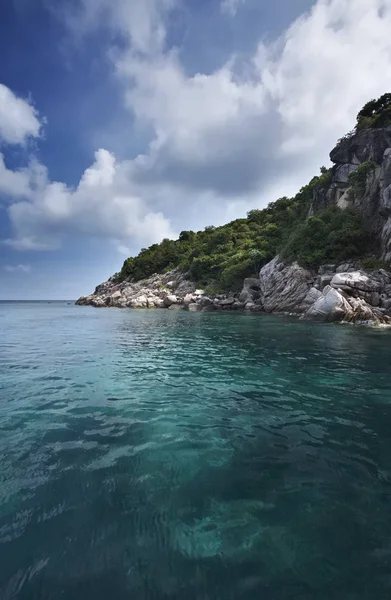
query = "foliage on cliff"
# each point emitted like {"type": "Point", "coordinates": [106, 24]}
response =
{"type": "Point", "coordinates": [333, 235]}
{"type": "Point", "coordinates": [221, 257]}
{"type": "Point", "coordinates": [374, 115]}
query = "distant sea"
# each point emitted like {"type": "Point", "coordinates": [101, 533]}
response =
{"type": "Point", "coordinates": [157, 455]}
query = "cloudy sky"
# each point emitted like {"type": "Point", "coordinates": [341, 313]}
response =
{"type": "Point", "coordinates": [126, 121]}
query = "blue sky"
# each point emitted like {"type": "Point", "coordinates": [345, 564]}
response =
{"type": "Point", "coordinates": [125, 121]}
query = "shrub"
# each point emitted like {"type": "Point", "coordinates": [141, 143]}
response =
{"type": "Point", "coordinates": [375, 113]}
{"type": "Point", "coordinates": [333, 235]}
{"type": "Point", "coordinates": [374, 264]}
{"type": "Point", "coordinates": [358, 178]}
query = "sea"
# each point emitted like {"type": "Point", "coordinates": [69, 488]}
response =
{"type": "Point", "coordinates": [165, 455]}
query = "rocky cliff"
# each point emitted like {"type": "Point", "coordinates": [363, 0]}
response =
{"type": "Point", "coordinates": [360, 178]}
{"type": "Point", "coordinates": [335, 293]}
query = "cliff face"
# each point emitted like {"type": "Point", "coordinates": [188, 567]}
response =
{"type": "Point", "coordinates": [361, 177]}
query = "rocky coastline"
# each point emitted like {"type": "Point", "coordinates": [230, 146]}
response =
{"type": "Point", "coordinates": [360, 179]}
{"type": "Point", "coordinates": [336, 293]}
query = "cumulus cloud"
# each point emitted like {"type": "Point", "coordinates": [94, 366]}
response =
{"type": "Point", "coordinates": [222, 142]}
{"type": "Point", "coordinates": [234, 131]}
{"type": "Point", "coordinates": [103, 205]}
{"type": "Point", "coordinates": [19, 120]}
{"type": "Point", "coordinates": [142, 21]}
{"type": "Point", "coordinates": [13, 183]}
{"type": "Point", "coordinates": [17, 268]}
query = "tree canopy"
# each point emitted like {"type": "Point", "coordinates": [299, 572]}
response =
{"type": "Point", "coordinates": [221, 257]}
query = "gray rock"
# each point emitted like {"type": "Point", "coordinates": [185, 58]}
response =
{"type": "Point", "coordinates": [284, 287]}
{"type": "Point", "coordinates": [238, 305]}
{"type": "Point", "coordinates": [169, 300]}
{"type": "Point", "coordinates": [176, 307]}
{"type": "Point", "coordinates": [204, 301]}
{"type": "Point", "coordinates": [140, 302]}
{"type": "Point", "coordinates": [323, 269]}
{"type": "Point", "coordinates": [325, 280]}
{"type": "Point", "coordinates": [152, 291]}
{"type": "Point", "coordinates": [375, 299]}
{"type": "Point", "coordinates": [209, 308]}
{"type": "Point", "coordinates": [386, 304]}
{"type": "Point", "coordinates": [227, 303]}
{"type": "Point", "coordinates": [250, 306]}
{"type": "Point", "coordinates": [251, 290]}
{"type": "Point", "coordinates": [312, 296]}
{"type": "Point", "coordinates": [345, 268]}
{"type": "Point", "coordinates": [367, 145]}
{"type": "Point", "coordinates": [189, 299]}
{"type": "Point", "coordinates": [357, 280]}
{"type": "Point", "coordinates": [331, 306]}
{"type": "Point", "coordinates": [194, 307]}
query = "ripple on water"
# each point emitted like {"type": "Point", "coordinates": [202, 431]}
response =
{"type": "Point", "coordinates": [152, 455]}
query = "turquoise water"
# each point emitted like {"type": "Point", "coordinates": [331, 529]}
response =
{"type": "Point", "coordinates": [161, 455]}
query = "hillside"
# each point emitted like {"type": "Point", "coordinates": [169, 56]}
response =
{"type": "Point", "coordinates": [221, 257]}
{"type": "Point", "coordinates": [322, 254]}
{"type": "Point", "coordinates": [330, 220]}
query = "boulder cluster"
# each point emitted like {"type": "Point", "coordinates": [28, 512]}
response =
{"type": "Point", "coordinates": [335, 293]}
{"type": "Point", "coordinates": [173, 291]}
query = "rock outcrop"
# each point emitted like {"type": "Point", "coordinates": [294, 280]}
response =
{"type": "Point", "coordinates": [284, 288]}
{"type": "Point", "coordinates": [335, 293]}
{"type": "Point", "coordinates": [361, 177]}
{"type": "Point", "coordinates": [172, 291]}
{"type": "Point", "coordinates": [369, 153]}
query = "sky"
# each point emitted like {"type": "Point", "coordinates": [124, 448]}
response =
{"type": "Point", "coordinates": [123, 122]}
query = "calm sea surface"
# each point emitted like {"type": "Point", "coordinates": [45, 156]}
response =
{"type": "Point", "coordinates": [156, 455]}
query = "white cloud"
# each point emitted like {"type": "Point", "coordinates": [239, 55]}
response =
{"type": "Point", "coordinates": [103, 205]}
{"type": "Point", "coordinates": [141, 20]}
{"type": "Point", "coordinates": [236, 134]}
{"type": "Point", "coordinates": [17, 268]}
{"type": "Point", "coordinates": [18, 118]}
{"type": "Point", "coordinates": [222, 142]}
{"type": "Point", "coordinates": [13, 184]}
{"type": "Point", "coordinates": [231, 6]}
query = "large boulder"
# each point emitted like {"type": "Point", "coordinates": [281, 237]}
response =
{"type": "Point", "coordinates": [251, 290]}
{"type": "Point", "coordinates": [139, 302]}
{"type": "Point", "coordinates": [170, 299]}
{"type": "Point", "coordinates": [355, 281]}
{"type": "Point", "coordinates": [228, 303]}
{"type": "Point", "coordinates": [284, 287]}
{"type": "Point", "coordinates": [330, 306]}
{"type": "Point", "coordinates": [366, 145]}
{"type": "Point", "coordinates": [194, 307]}
{"type": "Point", "coordinates": [189, 299]}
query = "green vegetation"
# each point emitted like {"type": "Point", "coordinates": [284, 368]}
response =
{"type": "Point", "coordinates": [219, 258]}
{"type": "Point", "coordinates": [375, 114]}
{"type": "Point", "coordinates": [374, 264]}
{"type": "Point", "coordinates": [358, 179]}
{"type": "Point", "coordinates": [333, 235]}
